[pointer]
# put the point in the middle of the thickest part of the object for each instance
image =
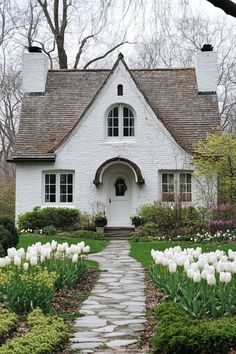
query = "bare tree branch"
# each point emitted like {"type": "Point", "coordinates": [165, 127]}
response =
{"type": "Point", "coordinates": [104, 55]}
{"type": "Point", "coordinates": [78, 55]}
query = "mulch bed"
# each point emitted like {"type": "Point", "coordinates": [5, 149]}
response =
{"type": "Point", "coordinates": [67, 302]}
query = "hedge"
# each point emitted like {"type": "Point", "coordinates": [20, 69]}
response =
{"type": "Point", "coordinates": [46, 335]}
{"type": "Point", "coordinates": [61, 218]}
{"type": "Point", "coordinates": [177, 333]}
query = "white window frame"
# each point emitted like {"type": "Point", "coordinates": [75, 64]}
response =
{"type": "Point", "coordinates": [121, 126]}
{"type": "Point", "coordinates": [176, 184]}
{"type": "Point", "coordinates": [58, 174]}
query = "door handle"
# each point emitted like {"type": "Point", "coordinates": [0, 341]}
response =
{"type": "Point", "coordinates": [109, 200]}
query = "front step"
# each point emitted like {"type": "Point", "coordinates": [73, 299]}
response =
{"type": "Point", "coordinates": [119, 233]}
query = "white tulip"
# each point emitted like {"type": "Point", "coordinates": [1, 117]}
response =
{"type": "Point", "coordinates": [190, 273]}
{"type": "Point", "coordinates": [196, 277]}
{"type": "Point", "coordinates": [2, 262]}
{"type": "Point", "coordinates": [228, 266]}
{"type": "Point", "coordinates": [82, 244]}
{"type": "Point", "coordinates": [211, 279]}
{"type": "Point", "coordinates": [54, 245]}
{"type": "Point", "coordinates": [75, 258]}
{"type": "Point", "coordinates": [8, 260]}
{"type": "Point", "coordinates": [233, 265]}
{"type": "Point", "coordinates": [26, 266]}
{"type": "Point", "coordinates": [33, 261]}
{"type": "Point", "coordinates": [17, 261]}
{"type": "Point", "coordinates": [228, 277]}
{"type": "Point", "coordinates": [86, 249]}
{"type": "Point", "coordinates": [172, 267]}
{"type": "Point", "coordinates": [20, 252]}
{"type": "Point", "coordinates": [11, 252]}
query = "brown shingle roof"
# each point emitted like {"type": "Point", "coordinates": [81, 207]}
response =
{"type": "Point", "coordinates": [172, 93]}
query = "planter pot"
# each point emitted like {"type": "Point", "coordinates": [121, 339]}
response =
{"type": "Point", "coordinates": [100, 229]}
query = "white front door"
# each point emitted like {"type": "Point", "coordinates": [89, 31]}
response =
{"type": "Point", "coordinates": [119, 201]}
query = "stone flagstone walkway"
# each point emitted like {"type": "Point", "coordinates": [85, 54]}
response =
{"type": "Point", "coordinates": [115, 310]}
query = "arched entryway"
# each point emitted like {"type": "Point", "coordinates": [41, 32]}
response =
{"type": "Point", "coordinates": [120, 179]}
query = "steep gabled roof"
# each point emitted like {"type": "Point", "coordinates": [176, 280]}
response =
{"type": "Point", "coordinates": [48, 119]}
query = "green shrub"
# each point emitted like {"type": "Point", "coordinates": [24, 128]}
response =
{"type": "Point", "coordinates": [4, 236]}
{"type": "Point", "coordinates": [23, 291]}
{"type": "Point", "coordinates": [49, 230]}
{"type": "Point", "coordinates": [9, 224]}
{"type": "Point", "coordinates": [61, 218]}
{"type": "Point", "coordinates": [172, 220]}
{"type": "Point", "coordinates": [7, 200]}
{"type": "Point", "coordinates": [83, 234]}
{"type": "Point", "coordinates": [8, 322]}
{"type": "Point", "coordinates": [177, 333]}
{"type": "Point", "coordinates": [45, 336]}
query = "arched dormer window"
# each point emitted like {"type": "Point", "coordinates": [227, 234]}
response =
{"type": "Point", "coordinates": [120, 122]}
{"type": "Point", "coordinates": [120, 90]}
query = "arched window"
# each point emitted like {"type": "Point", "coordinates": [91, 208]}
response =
{"type": "Point", "coordinates": [120, 122]}
{"type": "Point", "coordinates": [120, 90]}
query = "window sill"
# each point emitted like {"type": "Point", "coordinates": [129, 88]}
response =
{"type": "Point", "coordinates": [121, 141]}
{"type": "Point", "coordinates": [58, 205]}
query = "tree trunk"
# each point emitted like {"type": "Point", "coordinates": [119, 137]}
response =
{"type": "Point", "coordinates": [62, 56]}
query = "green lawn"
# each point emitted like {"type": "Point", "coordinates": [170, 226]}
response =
{"type": "Point", "coordinates": [142, 250]}
{"type": "Point", "coordinates": [95, 245]}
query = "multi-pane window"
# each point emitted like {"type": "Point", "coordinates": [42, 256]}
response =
{"type": "Point", "coordinates": [176, 186]}
{"type": "Point", "coordinates": [58, 187]}
{"type": "Point", "coordinates": [120, 122]}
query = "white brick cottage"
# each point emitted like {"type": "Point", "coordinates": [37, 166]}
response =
{"type": "Point", "coordinates": [111, 138]}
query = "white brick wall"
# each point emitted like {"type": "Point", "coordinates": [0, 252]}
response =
{"type": "Point", "coordinates": [206, 71]}
{"type": "Point", "coordinates": [34, 72]}
{"type": "Point", "coordinates": [153, 149]}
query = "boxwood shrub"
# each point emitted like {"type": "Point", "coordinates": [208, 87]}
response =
{"type": "Point", "coordinates": [46, 335]}
{"type": "Point", "coordinates": [178, 333]}
{"type": "Point", "coordinates": [93, 235]}
{"type": "Point", "coordinates": [60, 218]}
{"type": "Point", "coordinates": [8, 322]}
{"type": "Point", "coordinates": [11, 239]}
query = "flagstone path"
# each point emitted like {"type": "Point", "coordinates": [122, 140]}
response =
{"type": "Point", "coordinates": [115, 310]}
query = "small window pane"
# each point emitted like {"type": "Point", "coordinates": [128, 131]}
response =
{"type": "Point", "coordinates": [70, 198]}
{"type": "Point", "coordinates": [63, 178]}
{"type": "Point", "coordinates": [126, 132]}
{"type": "Point", "coordinates": [115, 112]}
{"type": "Point", "coordinates": [70, 189]}
{"type": "Point", "coordinates": [126, 112]}
{"type": "Point", "coordinates": [116, 132]}
{"type": "Point", "coordinates": [62, 198]}
{"type": "Point", "coordinates": [109, 131]}
{"type": "Point", "coordinates": [52, 198]}
{"type": "Point", "coordinates": [52, 178]}
{"type": "Point", "coordinates": [70, 178]}
{"type": "Point", "coordinates": [116, 122]}
{"type": "Point", "coordinates": [63, 189]}
{"type": "Point", "coordinates": [46, 178]}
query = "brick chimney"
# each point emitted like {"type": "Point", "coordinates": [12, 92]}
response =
{"type": "Point", "coordinates": [34, 71]}
{"type": "Point", "coordinates": [206, 69]}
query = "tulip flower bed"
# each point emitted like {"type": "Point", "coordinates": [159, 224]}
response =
{"type": "Point", "coordinates": [29, 279]}
{"type": "Point", "coordinates": [203, 283]}
{"type": "Point", "coordinates": [46, 334]}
